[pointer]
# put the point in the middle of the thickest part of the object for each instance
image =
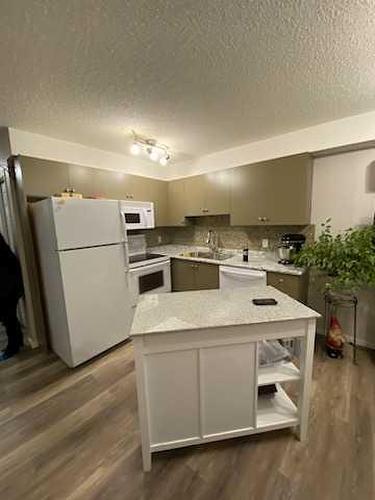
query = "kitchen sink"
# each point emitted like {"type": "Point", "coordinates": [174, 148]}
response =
{"type": "Point", "coordinates": [207, 255]}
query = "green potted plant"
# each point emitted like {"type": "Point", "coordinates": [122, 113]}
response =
{"type": "Point", "coordinates": [348, 258]}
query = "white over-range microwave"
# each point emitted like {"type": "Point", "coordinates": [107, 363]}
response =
{"type": "Point", "coordinates": [138, 214]}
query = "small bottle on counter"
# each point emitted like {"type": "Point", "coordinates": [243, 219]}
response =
{"type": "Point", "coordinates": [245, 255]}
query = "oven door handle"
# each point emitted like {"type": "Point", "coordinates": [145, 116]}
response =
{"type": "Point", "coordinates": [149, 267]}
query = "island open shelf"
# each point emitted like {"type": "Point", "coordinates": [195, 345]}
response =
{"type": "Point", "coordinates": [279, 373]}
{"type": "Point", "coordinates": [276, 411]}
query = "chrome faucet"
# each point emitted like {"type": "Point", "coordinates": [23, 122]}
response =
{"type": "Point", "coordinates": [212, 241]}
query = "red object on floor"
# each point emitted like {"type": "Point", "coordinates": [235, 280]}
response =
{"type": "Point", "coordinates": [335, 338]}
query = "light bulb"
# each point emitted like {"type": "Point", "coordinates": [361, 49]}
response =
{"type": "Point", "coordinates": [154, 154]}
{"type": "Point", "coordinates": [164, 160]}
{"type": "Point", "coordinates": [135, 149]}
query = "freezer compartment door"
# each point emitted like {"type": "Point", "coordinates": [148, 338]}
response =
{"type": "Point", "coordinates": [97, 299]}
{"type": "Point", "coordinates": [85, 223]}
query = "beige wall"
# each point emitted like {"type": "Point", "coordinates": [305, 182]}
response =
{"type": "Point", "coordinates": [344, 189]}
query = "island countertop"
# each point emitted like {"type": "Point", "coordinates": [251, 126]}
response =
{"type": "Point", "coordinates": [181, 311]}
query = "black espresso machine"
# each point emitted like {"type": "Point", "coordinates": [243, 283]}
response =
{"type": "Point", "coordinates": [290, 245]}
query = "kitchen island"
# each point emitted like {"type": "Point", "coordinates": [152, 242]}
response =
{"type": "Point", "coordinates": [196, 356]}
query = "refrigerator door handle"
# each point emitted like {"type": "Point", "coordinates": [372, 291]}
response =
{"type": "Point", "coordinates": [126, 254]}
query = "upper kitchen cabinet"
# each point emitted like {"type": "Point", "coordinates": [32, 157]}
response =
{"type": "Point", "coordinates": [160, 199]}
{"type": "Point", "coordinates": [195, 195]}
{"type": "Point", "coordinates": [176, 202]}
{"type": "Point", "coordinates": [139, 188]}
{"type": "Point", "coordinates": [122, 186]}
{"type": "Point", "coordinates": [276, 192]}
{"type": "Point", "coordinates": [83, 180]}
{"type": "Point", "coordinates": [208, 194]}
{"type": "Point", "coordinates": [110, 184]}
{"type": "Point", "coordinates": [42, 178]}
{"type": "Point", "coordinates": [217, 192]}
{"type": "Point", "coordinates": [146, 189]}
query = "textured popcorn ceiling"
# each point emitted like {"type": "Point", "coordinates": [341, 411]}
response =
{"type": "Point", "coordinates": [199, 75]}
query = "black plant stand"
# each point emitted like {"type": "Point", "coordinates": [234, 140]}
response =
{"type": "Point", "coordinates": [333, 300]}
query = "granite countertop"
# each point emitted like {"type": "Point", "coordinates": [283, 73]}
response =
{"type": "Point", "coordinates": [173, 312]}
{"type": "Point", "coordinates": [263, 261]}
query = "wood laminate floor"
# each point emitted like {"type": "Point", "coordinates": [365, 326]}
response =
{"type": "Point", "coordinates": [73, 434]}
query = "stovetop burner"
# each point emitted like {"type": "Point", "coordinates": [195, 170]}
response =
{"type": "Point", "coordinates": [145, 256]}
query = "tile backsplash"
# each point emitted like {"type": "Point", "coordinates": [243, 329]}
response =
{"type": "Point", "coordinates": [229, 236]}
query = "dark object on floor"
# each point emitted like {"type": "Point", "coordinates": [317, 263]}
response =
{"type": "Point", "coordinates": [334, 353]}
{"type": "Point", "coordinates": [267, 390]}
{"type": "Point", "coordinates": [4, 355]}
{"type": "Point", "coordinates": [11, 290]}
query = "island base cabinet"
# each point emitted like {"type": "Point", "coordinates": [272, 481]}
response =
{"type": "Point", "coordinates": [202, 385]}
{"type": "Point", "coordinates": [191, 396]}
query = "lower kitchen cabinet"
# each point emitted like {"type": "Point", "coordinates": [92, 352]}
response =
{"type": "Point", "coordinates": [189, 275]}
{"type": "Point", "coordinates": [294, 286]}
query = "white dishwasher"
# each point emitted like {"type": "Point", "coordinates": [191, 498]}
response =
{"type": "Point", "coordinates": [235, 277]}
{"type": "Point", "coordinates": [271, 352]}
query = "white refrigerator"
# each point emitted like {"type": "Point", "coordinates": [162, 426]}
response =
{"type": "Point", "coordinates": [84, 266]}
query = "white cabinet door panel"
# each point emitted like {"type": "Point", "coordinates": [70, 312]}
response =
{"type": "Point", "coordinates": [173, 395]}
{"type": "Point", "coordinates": [228, 388]}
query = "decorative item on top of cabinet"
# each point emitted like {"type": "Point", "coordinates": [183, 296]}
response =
{"type": "Point", "coordinates": [293, 285]}
{"type": "Point", "coordinates": [189, 275]}
{"type": "Point", "coordinates": [275, 192]}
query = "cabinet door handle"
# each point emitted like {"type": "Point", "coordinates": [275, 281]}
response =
{"type": "Point", "coordinates": [281, 280]}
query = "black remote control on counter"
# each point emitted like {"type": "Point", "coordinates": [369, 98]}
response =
{"type": "Point", "coordinates": [264, 302]}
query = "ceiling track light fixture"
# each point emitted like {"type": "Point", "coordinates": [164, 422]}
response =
{"type": "Point", "coordinates": [153, 150]}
